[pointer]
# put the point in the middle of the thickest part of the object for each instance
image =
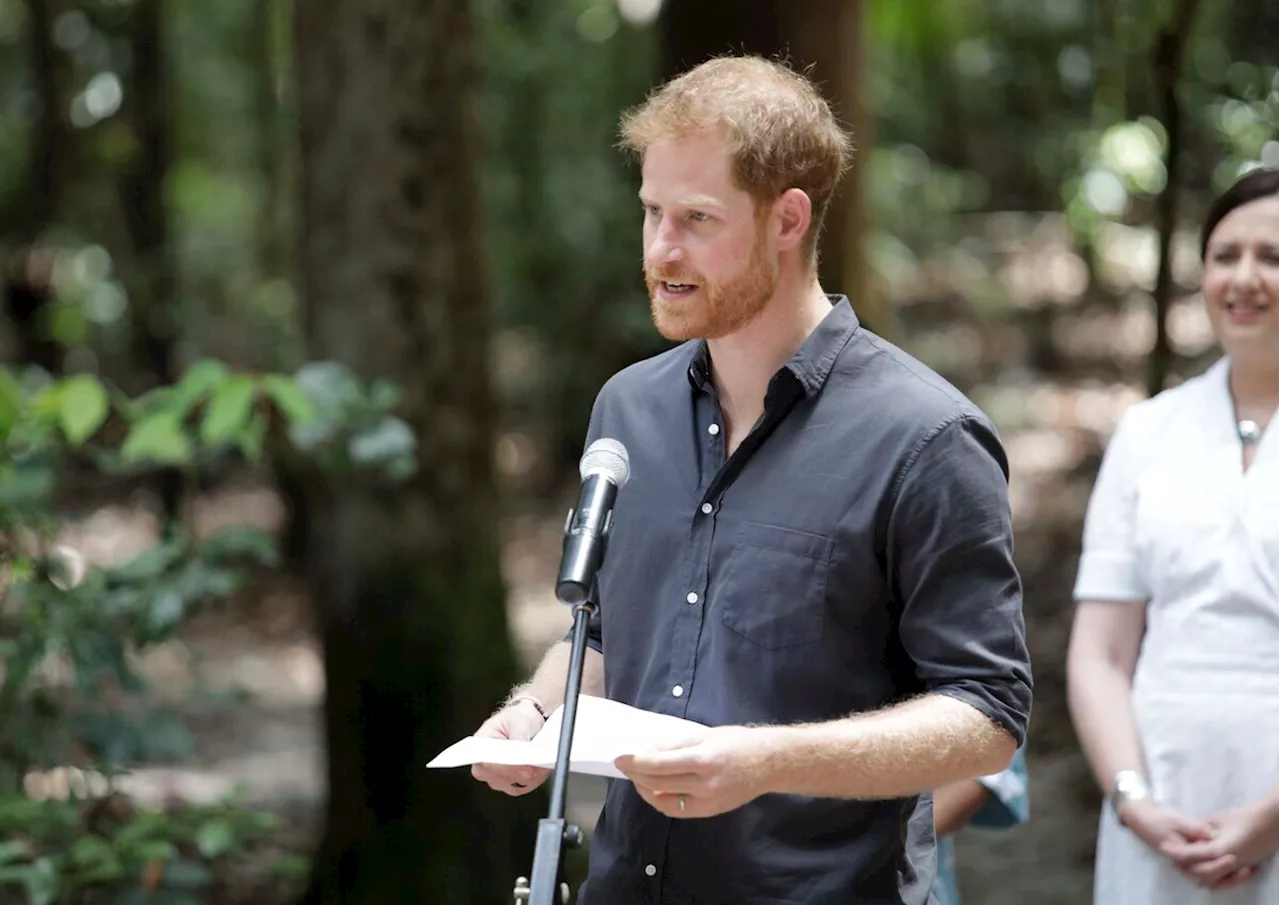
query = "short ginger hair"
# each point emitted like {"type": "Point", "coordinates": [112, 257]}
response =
{"type": "Point", "coordinates": [780, 130]}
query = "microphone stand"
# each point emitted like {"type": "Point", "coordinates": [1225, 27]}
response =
{"type": "Point", "coordinates": [553, 831]}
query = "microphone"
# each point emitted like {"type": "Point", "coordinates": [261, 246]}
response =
{"type": "Point", "coordinates": [605, 467]}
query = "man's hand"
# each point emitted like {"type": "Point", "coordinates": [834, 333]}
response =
{"type": "Point", "coordinates": [1242, 838]}
{"type": "Point", "coordinates": [706, 774]}
{"type": "Point", "coordinates": [521, 721]}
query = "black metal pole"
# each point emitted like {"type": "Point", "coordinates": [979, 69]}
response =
{"type": "Point", "coordinates": [547, 876]}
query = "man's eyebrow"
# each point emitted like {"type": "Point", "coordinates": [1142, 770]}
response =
{"type": "Point", "coordinates": [703, 201]}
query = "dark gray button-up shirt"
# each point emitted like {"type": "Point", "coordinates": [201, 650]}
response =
{"type": "Point", "coordinates": [856, 550]}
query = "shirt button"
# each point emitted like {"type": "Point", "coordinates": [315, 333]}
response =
{"type": "Point", "coordinates": [678, 690]}
{"type": "Point", "coordinates": [713, 429]}
{"type": "Point", "coordinates": [691, 597]}
{"type": "Point", "coordinates": [650, 870]}
{"type": "Point", "coordinates": [706, 508]}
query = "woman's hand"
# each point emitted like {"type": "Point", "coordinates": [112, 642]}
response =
{"type": "Point", "coordinates": [1158, 826]}
{"type": "Point", "coordinates": [1242, 838]}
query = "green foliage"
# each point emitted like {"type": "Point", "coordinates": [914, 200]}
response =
{"type": "Point", "coordinates": [57, 850]}
{"type": "Point", "coordinates": [348, 429]}
{"type": "Point", "coordinates": [94, 619]}
{"type": "Point", "coordinates": [54, 605]}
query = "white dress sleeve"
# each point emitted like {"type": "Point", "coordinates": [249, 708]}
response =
{"type": "Point", "coordinates": [1109, 566]}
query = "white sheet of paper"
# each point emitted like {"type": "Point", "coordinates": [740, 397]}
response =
{"type": "Point", "coordinates": [603, 731]}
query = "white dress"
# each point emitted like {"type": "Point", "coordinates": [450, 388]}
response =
{"type": "Point", "coordinates": [1177, 522]}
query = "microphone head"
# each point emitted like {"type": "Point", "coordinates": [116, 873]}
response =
{"type": "Point", "coordinates": [606, 457]}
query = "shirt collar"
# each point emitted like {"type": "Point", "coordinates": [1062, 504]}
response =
{"type": "Point", "coordinates": [811, 364]}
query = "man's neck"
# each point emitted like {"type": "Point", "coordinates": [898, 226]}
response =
{"type": "Point", "coordinates": [743, 363]}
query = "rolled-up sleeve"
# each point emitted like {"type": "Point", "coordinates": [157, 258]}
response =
{"type": "Point", "coordinates": [949, 553]}
{"type": "Point", "coordinates": [1108, 559]}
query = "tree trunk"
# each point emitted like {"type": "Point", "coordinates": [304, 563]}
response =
{"type": "Point", "coordinates": [1167, 66]}
{"type": "Point", "coordinates": [824, 38]}
{"type": "Point", "coordinates": [405, 579]}
{"type": "Point", "coordinates": [28, 287]}
{"type": "Point", "coordinates": [151, 285]}
{"type": "Point", "coordinates": [267, 17]}
{"type": "Point", "coordinates": [828, 35]}
{"type": "Point", "coordinates": [151, 274]}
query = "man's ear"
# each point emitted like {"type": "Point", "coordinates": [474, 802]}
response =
{"type": "Point", "coordinates": [793, 213]}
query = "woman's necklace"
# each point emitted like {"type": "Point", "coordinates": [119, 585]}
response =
{"type": "Point", "coordinates": [1248, 431]}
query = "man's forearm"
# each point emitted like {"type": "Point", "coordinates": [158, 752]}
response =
{"type": "Point", "coordinates": [904, 750]}
{"type": "Point", "coordinates": [547, 684]}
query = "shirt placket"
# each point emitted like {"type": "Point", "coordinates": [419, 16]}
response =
{"type": "Point", "coordinates": [688, 622]}
{"type": "Point", "coordinates": [713, 480]}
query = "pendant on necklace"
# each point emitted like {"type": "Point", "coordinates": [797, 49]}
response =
{"type": "Point", "coordinates": [1248, 431]}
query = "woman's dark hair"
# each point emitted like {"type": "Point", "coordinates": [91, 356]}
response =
{"type": "Point", "coordinates": [1255, 184]}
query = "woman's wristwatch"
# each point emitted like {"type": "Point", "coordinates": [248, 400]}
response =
{"type": "Point", "coordinates": [1127, 787]}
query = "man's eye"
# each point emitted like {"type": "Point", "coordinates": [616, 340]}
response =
{"type": "Point", "coordinates": [697, 216]}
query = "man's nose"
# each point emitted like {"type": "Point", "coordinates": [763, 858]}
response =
{"type": "Point", "coordinates": [664, 246]}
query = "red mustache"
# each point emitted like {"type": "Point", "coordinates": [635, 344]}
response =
{"type": "Point", "coordinates": [665, 275]}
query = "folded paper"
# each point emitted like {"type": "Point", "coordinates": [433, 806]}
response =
{"type": "Point", "coordinates": [603, 731]}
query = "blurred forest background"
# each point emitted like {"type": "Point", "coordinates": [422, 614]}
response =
{"type": "Point", "coordinates": [304, 307]}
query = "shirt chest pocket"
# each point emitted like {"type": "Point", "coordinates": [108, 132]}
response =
{"type": "Point", "coordinates": [773, 586]}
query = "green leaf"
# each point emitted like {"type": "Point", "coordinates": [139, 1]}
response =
{"type": "Point", "coordinates": [199, 581]}
{"type": "Point", "coordinates": [215, 838]}
{"type": "Point", "coordinates": [236, 541]}
{"type": "Point", "coordinates": [82, 407]}
{"type": "Point", "coordinates": [201, 378]}
{"type": "Point", "coordinates": [158, 437]}
{"type": "Point", "coordinates": [10, 403]}
{"type": "Point", "coordinates": [163, 736]}
{"type": "Point", "coordinates": [89, 849]}
{"type": "Point", "coordinates": [228, 410]}
{"type": "Point", "coordinates": [187, 874]}
{"type": "Point", "coordinates": [402, 468]}
{"type": "Point", "coordinates": [157, 400]}
{"type": "Point", "coordinates": [149, 564]}
{"type": "Point", "coordinates": [330, 385]}
{"type": "Point", "coordinates": [18, 668]}
{"type": "Point", "coordinates": [294, 867]}
{"type": "Point", "coordinates": [13, 850]}
{"type": "Point", "coordinates": [47, 402]}
{"type": "Point", "coordinates": [138, 896]}
{"type": "Point", "coordinates": [166, 612]}
{"type": "Point", "coordinates": [388, 439]}
{"type": "Point", "coordinates": [42, 882]}
{"type": "Point", "coordinates": [385, 394]}
{"type": "Point", "coordinates": [289, 398]}
{"type": "Point", "coordinates": [26, 485]}
{"type": "Point", "coordinates": [153, 850]}
{"type": "Point", "coordinates": [109, 868]}
{"type": "Point", "coordinates": [253, 437]}
{"type": "Point", "coordinates": [68, 325]}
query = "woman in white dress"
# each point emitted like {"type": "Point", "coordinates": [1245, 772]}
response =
{"type": "Point", "coordinates": [1173, 671]}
